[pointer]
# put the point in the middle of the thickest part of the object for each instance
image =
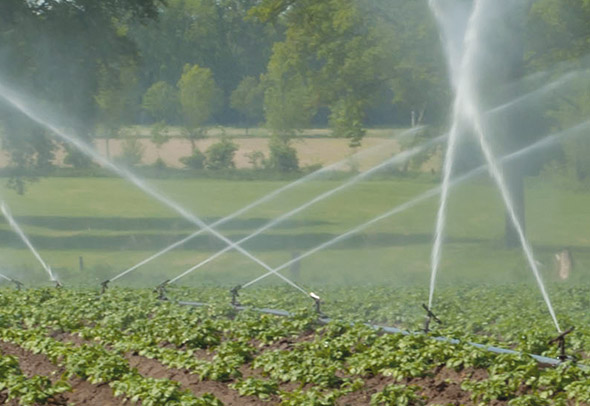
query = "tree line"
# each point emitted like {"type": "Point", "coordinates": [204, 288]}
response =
{"type": "Point", "coordinates": [285, 64]}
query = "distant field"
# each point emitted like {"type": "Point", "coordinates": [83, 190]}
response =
{"type": "Point", "coordinates": [314, 146]}
{"type": "Point", "coordinates": [112, 226]}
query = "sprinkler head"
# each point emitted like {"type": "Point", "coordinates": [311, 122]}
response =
{"type": "Point", "coordinates": [161, 290]}
{"type": "Point", "coordinates": [318, 301]}
{"type": "Point", "coordinates": [429, 317]}
{"type": "Point", "coordinates": [58, 284]}
{"type": "Point", "coordinates": [234, 295]}
{"type": "Point", "coordinates": [104, 286]}
{"type": "Point", "coordinates": [560, 340]}
{"type": "Point", "coordinates": [19, 284]}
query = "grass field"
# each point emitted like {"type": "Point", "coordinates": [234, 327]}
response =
{"type": "Point", "coordinates": [112, 226]}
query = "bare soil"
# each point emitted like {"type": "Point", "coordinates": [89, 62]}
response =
{"type": "Point", "coordinates": [83, 392]}
{"type": "Point", "coordinates": [442, 387]}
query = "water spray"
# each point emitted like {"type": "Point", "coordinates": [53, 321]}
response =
{"type": "Point", "coordinates": [19, 285]}
{"type": "Point", "coordinates": [87, 150]}
{"type": "Point", "coordinates": [14, 225]}
{"type": "Point", "coordinates": [396, 159]}
{"type": "Point", "coordinates": [266, 198]}
{"type": "Point", "coordinates": [465, 108]}
{"type": "Point", "coordinates": [545, 142]}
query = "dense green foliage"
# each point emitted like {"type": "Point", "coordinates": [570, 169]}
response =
{"type": "Point", "coordinates": [343, 63]}
{"type": "Point", "coordinates": [327, 362]}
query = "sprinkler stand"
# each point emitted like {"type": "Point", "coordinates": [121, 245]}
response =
{"type": "Point", "coordinates": [235, 292]}
{"type": "Point", "coordinates": [429, 317]}
{"type": "Point", "coordinates": [161, 290]}
{"type": "Point", "coordinates": [58, 284]}
{"type": "Point", "coordinates": [19, 284]}
{"type": "Point", "coordinates": [318, 301]}
{"type": "Point", "coordinates": [560, 340]}
{"type": "Point", "coordinates": [104, 286]}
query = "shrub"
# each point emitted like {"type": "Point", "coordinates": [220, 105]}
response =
{"type": "Point", "coordinates": [283, 157]}
{"type": "Point", "coordinates": [256, 159]}
{"type": "Point", "coordinates": [221, 155]}
{"type": "Point", "coordinates": [194, 161]}
{"type": "Point", "coordinates": [132, 152]}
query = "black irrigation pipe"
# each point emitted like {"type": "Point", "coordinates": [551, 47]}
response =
{"type": "Point", "coordinates": [390, 330]}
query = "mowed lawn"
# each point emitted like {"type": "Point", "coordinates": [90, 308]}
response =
{"type": "Point", "coordinates": [112, 226]}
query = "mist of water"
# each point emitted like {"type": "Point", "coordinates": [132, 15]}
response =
{"type": "Point", "coordinates": [268, 197]}
{"type": "Point", "coordinates": [5, 277]}
{"type": "Point", "coordinates": [14, 225]}
{"type": "Point", "coordinates": [395, 160]}
{"type": "Point", "coordinates": [536, 94]}
{"type": "Point", "coordinates": [466, 108]}
{"type": "Point", "coordinates": [18, 102]}
{"type": "Point", "coordinates": [545, 142]}
{"type": "Point", "coordinates": [451, 150]}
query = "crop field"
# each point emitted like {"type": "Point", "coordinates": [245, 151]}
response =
{"type": "Point", "coordinates": [68, 346]}
{"type": "Point", "coordinates": [75, 346]}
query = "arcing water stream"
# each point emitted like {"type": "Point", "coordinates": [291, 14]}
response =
{"type": "Point", "coordinates": [466, 109]}
{"type": "Point", "coordinates": [545, 142]}
{"type": "Point", "coordinates": [396, 159]}
{"type": "Point", "coordinates": [14, 225]}
{"type": "Point", "coordinates": [272, 195]}
{"type": "Point", "coordinates": [26, 108]}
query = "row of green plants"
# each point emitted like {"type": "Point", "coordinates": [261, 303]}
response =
{"type": "Point", "coordinates": [324, 362]}
{"type": "Point", "coordinates": [29, 390]}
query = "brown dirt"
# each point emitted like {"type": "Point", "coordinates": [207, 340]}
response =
{"type": "Point", "coordinates": [83, 393]}
{"type": "Point", "coordinates": [442, 387]}
{"type": "Point", "coordinates": [229, 397]}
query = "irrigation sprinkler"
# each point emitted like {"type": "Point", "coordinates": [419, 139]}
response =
{"type": "Point", "coordinates": [429, 317]}
{"type": "Point", "coordinates": [318, 302]}
{"type": "Point", "coordinates": [18, 284]}
{"type": "Point", "coordinates": [560, 340]}
{"type": "Point", "coordinates": [235, 293]}
{"type": "Point", "coordinates": [161, 290]}
{"type": "Point", "coordinates": [394, 330]}
{"type": "Point", "coordinates": [104, 285]}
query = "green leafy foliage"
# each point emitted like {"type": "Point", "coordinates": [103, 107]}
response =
{"type": "Point", "coordinates": [319, 364]}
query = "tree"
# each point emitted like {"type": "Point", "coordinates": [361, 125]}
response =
{"type": "Point", "coordinates": [161, 101]}
{"type": "Point", "coordinates": [558, 38]}
{"type": "Point", "coordinates": [159, 136]}
{"type": "Point", "coordinates": [214, 33]}
{"type": "Point", "coordinates": [419, 80]}
{"type": "Point", "coordinates": [248, 100]}
{"type": "Point", "coordinates": [336, 55]}
{"type": "Point", "coordinates": [116, 99]}
{"type": "Point", "coordinates": [199, 99]}
{"type": "Point", "coordinates": [55, 50]}
{"type": "Point", "coordinates": [283, 157]}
